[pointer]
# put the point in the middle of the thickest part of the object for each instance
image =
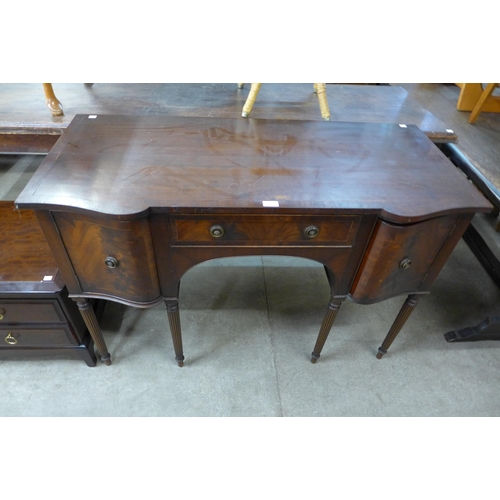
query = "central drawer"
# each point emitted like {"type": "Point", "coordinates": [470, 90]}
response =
{"type": "Point", "coordinates": [265, 230]}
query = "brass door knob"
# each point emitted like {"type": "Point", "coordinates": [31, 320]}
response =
{"type": "Point", "coordinates": [10, 339]}
{"type": "Point", "coordinates": [311, 232]}
{"type": "Point", "coordinates": [217, 231]}
{"type": "Point", "coordinates": [111, 262]}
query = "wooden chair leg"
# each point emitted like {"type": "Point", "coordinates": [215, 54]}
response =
{"type": "Point", "coordinates": [254, 91]}
{"type": "Point", "coordinates": [52, 102]}
{"type": "Point", "coordinates": [320, 89]}
{"type": "Point", "coordinates": [480, 103]}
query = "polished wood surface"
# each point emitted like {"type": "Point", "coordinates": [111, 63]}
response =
{"type": "Point", "coordinates": [26, 124]}
{"type": "Point", "coordinates": [123, 165]}
{"type": "Point", "coordinates": [130, 200]}
{"type": "Point", "coordinates": [25, 255]}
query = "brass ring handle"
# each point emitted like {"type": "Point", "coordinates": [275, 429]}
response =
{"type": "Point", "coordinates": [2, 312]}
{"type": "Point", "coordinates": [111, 262]}
{"type": "Point", "coordinates": [405, 263]}
{"type": "Point", "coordinates": [311, 231]}
{"type": "Point", "coordinates": [10, 339]}
{"type": "Point", "coordinates": [217, 231]}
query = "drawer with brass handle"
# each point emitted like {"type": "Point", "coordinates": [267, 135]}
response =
{"type": "Point", "coordinates": [262, 230]}
{"type": "Point", "coordinates": [55, 336]}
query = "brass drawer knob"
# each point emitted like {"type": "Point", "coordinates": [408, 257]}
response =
{"type": "Point", "coordinates": [111, 262]}
{"type": "Point", "coordinates": [405, 263]}
{"type": "Point", "coordinates": [2, 312]}
{"type": "Point", "coordinates": [217, 231]}
{"type": "Point", "coordinates": [10, 339]}
{"type": "Point", "coordinates": [311, 231]}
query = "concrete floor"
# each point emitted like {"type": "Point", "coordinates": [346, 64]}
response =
{"type": "Point", "coordinates": [249, 325]}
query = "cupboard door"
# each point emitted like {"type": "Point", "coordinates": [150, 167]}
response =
{"type": "Point", "coordinates": [111, 257]}
{"type": "Point", "coordinates": [399, 257]}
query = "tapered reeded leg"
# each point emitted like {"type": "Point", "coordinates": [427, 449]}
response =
{"type": "Point", "coordinates": [399, 322]}
{"type": "Point", "coordinates": [175, 328]}
{"type": "Point", "coordinates": [331, 312]}
{"type": "Point", "coordinates": [254, 90]}
{"type": "Point", "coordinates": [52, 102]}
{"type": "Point", "coordinates": [88, 314]}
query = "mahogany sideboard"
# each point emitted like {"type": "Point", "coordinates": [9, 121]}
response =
{"type": "Point", "coordinates": [36, 316]}
{"type": "Point", "coordinates": [129, 204]}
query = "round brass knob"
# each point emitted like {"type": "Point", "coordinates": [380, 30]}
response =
{"type": "Point", "coordinates": [311, 231]}
{"type": "Point", "coordinates": [217, 231]}
{"type": "Point", "coordinates": [111, 262]}
{"type": "Point", "coordinates": [10, 339]}
{"type": "Point", "coordinates": [405, 263]}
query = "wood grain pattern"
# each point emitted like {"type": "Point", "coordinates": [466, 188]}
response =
{"type": "Point", "coordinates": [25, 255]}
{"type": "Point", "coordinates": [108, 164]}
{"type": "Point", "coordinates": [90, 242]}
{"type": "Point", "coordinates": [261, 230]}
{"type": "Point", "coordinates": [147, 191]}
{"type": "Point", "coordinates": [382, 274]}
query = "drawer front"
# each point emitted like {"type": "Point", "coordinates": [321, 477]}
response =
{"type": "Point", "coordinates": [336, 231]}
{"type": "Point", "coordinates": [398, 258]}
{"type": "Point", "coordinates": [111, 257]}
{"type": "Point", "coordinates": [56, 336]}
{"type": "Point", "coordinates": [30, 311]}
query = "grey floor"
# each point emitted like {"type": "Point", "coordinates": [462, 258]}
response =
{"type": "Point", "coordinates": [249, 325]}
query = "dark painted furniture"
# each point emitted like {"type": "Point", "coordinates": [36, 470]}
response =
{"type": "Point", "coordinates": [129, 204]}
{"type": "Point", "coordinates": [37, 319]}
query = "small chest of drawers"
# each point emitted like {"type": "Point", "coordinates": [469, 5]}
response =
{"type": "Point", "coordinates": [37, 318]}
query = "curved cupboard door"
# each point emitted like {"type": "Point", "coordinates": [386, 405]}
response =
{"type": "Point", "coordinates": [111, 257]}
{"type": "Point", "coordinates": [399, 257]}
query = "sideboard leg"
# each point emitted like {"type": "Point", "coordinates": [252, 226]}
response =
{"type": "Point", "coordinates": [399, 322]}
{"type": "Point", "coordinates": [331, 312]}
{"type": "Point", "coordinates": [88, 314]}
{"type": "Point", "coordinates": [175, 328]}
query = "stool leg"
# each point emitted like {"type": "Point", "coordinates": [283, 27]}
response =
{"type": "Point", "coordinates": [254, 90]}
{"type": "Point", "coordinates": [52, 102]}
{"type": "Point", "coordinates": [320, 89]}
{"type": "Point", "coordinates": [326, 326]}
{"type": "Point", "coordinates": [403, 315]}
{"type": "Point", "coordinates": [482, 99]}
